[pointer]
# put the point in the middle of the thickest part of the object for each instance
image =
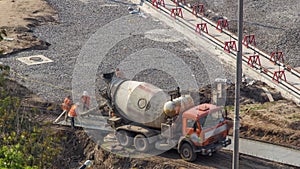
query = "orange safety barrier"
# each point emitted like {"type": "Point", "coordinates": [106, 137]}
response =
{"type": "Point", "coordinates": [198, 8]}
{"type": "Point", "coordinates": [158, 2]}
{"type": "Point", "coordinates": [277, 56]}
{"type": "Point", "coordinates": [254, 59]}
{"type": "Point", "coordinates": [249, 39]}
{"type": "Point", "coordinates": [230, 45]}
{"type": "Point", "coordinates": [279, 75]}
{"type": "Point", "coordinates": [222, 24]}
{"type": "Point", "coordinates": [176, 11]}
{"type": "Point", "coordinates": [201, 27]}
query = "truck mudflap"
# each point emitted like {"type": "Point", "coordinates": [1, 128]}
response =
{"type": "Point", "coordinates": [209, 149]}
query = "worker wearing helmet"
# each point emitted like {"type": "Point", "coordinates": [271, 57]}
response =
{"type": "Point", "coordinates": [66, 105]}
{"type": "Point", "coordinates": [85, 100]}
{"type": "Point", "coordinates": [73, 113]}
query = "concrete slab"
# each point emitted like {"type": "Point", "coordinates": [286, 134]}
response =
{"type": "Point", "coordinates": [269, 151]}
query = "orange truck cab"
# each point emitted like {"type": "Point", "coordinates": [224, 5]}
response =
{"type": "Point", "coordinates": [204, 131]}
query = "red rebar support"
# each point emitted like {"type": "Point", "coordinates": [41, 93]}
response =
{"type": "Point", "coordinates": [254, 59]}
{"type": "Point", "coordinates": [198, 8]}
{"type": "Point", "coordinates": [158, 2]}
{"type": "Point", "coordinates": [279, 75]}
{"type": "Point", "coordinates": [249, 39]}
{"type": "Point", "coordinates": [277, 56]}
{"type": "Point", "coordinates": [230, 45]}
{"type": "Point", "coordinates": [176, 11]}
{"type": "Point", "coordinates": [201, 27]}
{"type": "Point", "coordinates": [222, 24]}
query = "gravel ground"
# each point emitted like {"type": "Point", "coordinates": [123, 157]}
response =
{"type": "Point", "coordinates": [275, 23]}
{"type": "Point", "coordinates": [79, 20]}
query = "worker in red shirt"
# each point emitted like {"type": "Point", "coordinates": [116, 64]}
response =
{"type": "Point", "coordinates": [85, 100]}
{"type": "Point", "coordinates": [73, 113]}
{"type": "Point", "coordinates": [66, 105]}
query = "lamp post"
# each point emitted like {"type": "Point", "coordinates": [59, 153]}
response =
{"type": "Point", "coordinates": [235, 159]}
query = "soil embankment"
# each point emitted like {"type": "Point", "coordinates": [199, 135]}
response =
{"type": "Point", "coordinates": [19, 18]}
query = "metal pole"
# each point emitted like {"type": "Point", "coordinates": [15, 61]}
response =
{"type": "Point", "coordinates": [235, 159]}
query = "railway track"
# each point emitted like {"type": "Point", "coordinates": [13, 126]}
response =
{"type": "Point", "coordinates": [257, 63]}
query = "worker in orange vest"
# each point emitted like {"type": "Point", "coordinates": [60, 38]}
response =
{"type": "Point", "coordinates": [73, 113]}
{"type": "Point", "coordinates": [66, 106]}
{"type": "Point", "coordinates": [85, 100]}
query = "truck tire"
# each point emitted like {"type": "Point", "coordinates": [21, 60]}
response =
{"type": "Point", "coordinates": [141, 143]}
{"type": "Point", "coordinates": [187, 153]}
{"type": "Point", "coordinates": [124, 138]}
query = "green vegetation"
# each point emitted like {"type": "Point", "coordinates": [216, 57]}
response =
{"type": "Point", "coordinates": [25, 142]}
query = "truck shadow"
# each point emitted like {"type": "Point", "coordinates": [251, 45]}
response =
{"type": "Point", "coordinates": [220, 159]}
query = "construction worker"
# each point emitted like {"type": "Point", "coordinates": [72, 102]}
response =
{"type": "Point", "coordinates": [119, 73]}
{"type": "Point", "coordinates": [73, 113]}
{"type": "Point", "coordinates": [85, 100]}
{"type": "Point", "coordinates": [66, 105]}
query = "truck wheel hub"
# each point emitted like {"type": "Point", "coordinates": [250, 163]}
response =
{"type": "Point", "coordinates": [186, 152]}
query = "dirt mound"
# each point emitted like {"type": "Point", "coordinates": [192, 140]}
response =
{"type": "Point", "coordinates": [19, 18]}
{"type": "Point", "coordinates": [250, 93]}
{"type": "Point", "coordinates": [276, 122]}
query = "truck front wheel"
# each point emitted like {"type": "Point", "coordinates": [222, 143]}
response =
{"type": "Point", "coordinates": [187, 153]}
{"type": "Point", "coordinates": [141, 143]}
{"type": "Point", "coordinates": [124, 138]}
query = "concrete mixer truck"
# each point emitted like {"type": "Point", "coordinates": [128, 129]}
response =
{"type": "Point", "coordinates": [145, 117]}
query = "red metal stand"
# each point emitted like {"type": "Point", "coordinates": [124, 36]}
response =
{"type": "Point", "coordinates": [201, 27]}
{"type": "Point", "coordinates": [254, 59]}
{"type": "Point", "coordinates": [176, 11]}
{"type": "Point", "coordinates": [265, 70]}
{"type": "Point", "coordinates": [158, 2]}
{"type": "Point", "coordinates": [279, 75]}
{"type": "Point", "coordinates": [277, 56]}
{"type": "Point", "coordinates": [222, 24]}
{"type": "Point", "coordinates": [198, 8]}
{"type": "Point", "coordinates": [249, 39]}
{"type": "Point", "coordinates": [230, 45]}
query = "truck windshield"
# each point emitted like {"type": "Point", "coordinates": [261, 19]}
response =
{"type": "Point", "coordinates": [212, 119]}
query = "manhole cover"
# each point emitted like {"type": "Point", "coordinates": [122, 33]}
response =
{"type": "Point", "coordinates": [34, 60]}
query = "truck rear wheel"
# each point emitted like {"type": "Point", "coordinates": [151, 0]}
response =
{"type": "Point", "coordinates": [141, 143]}
{"type": "Point", "coordinates": [124, 138]}
{"type": "Point", "coordinates": [187, 153]}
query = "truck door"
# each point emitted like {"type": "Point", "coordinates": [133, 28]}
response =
{"type": "Point", "coordinates": [191, 129]}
